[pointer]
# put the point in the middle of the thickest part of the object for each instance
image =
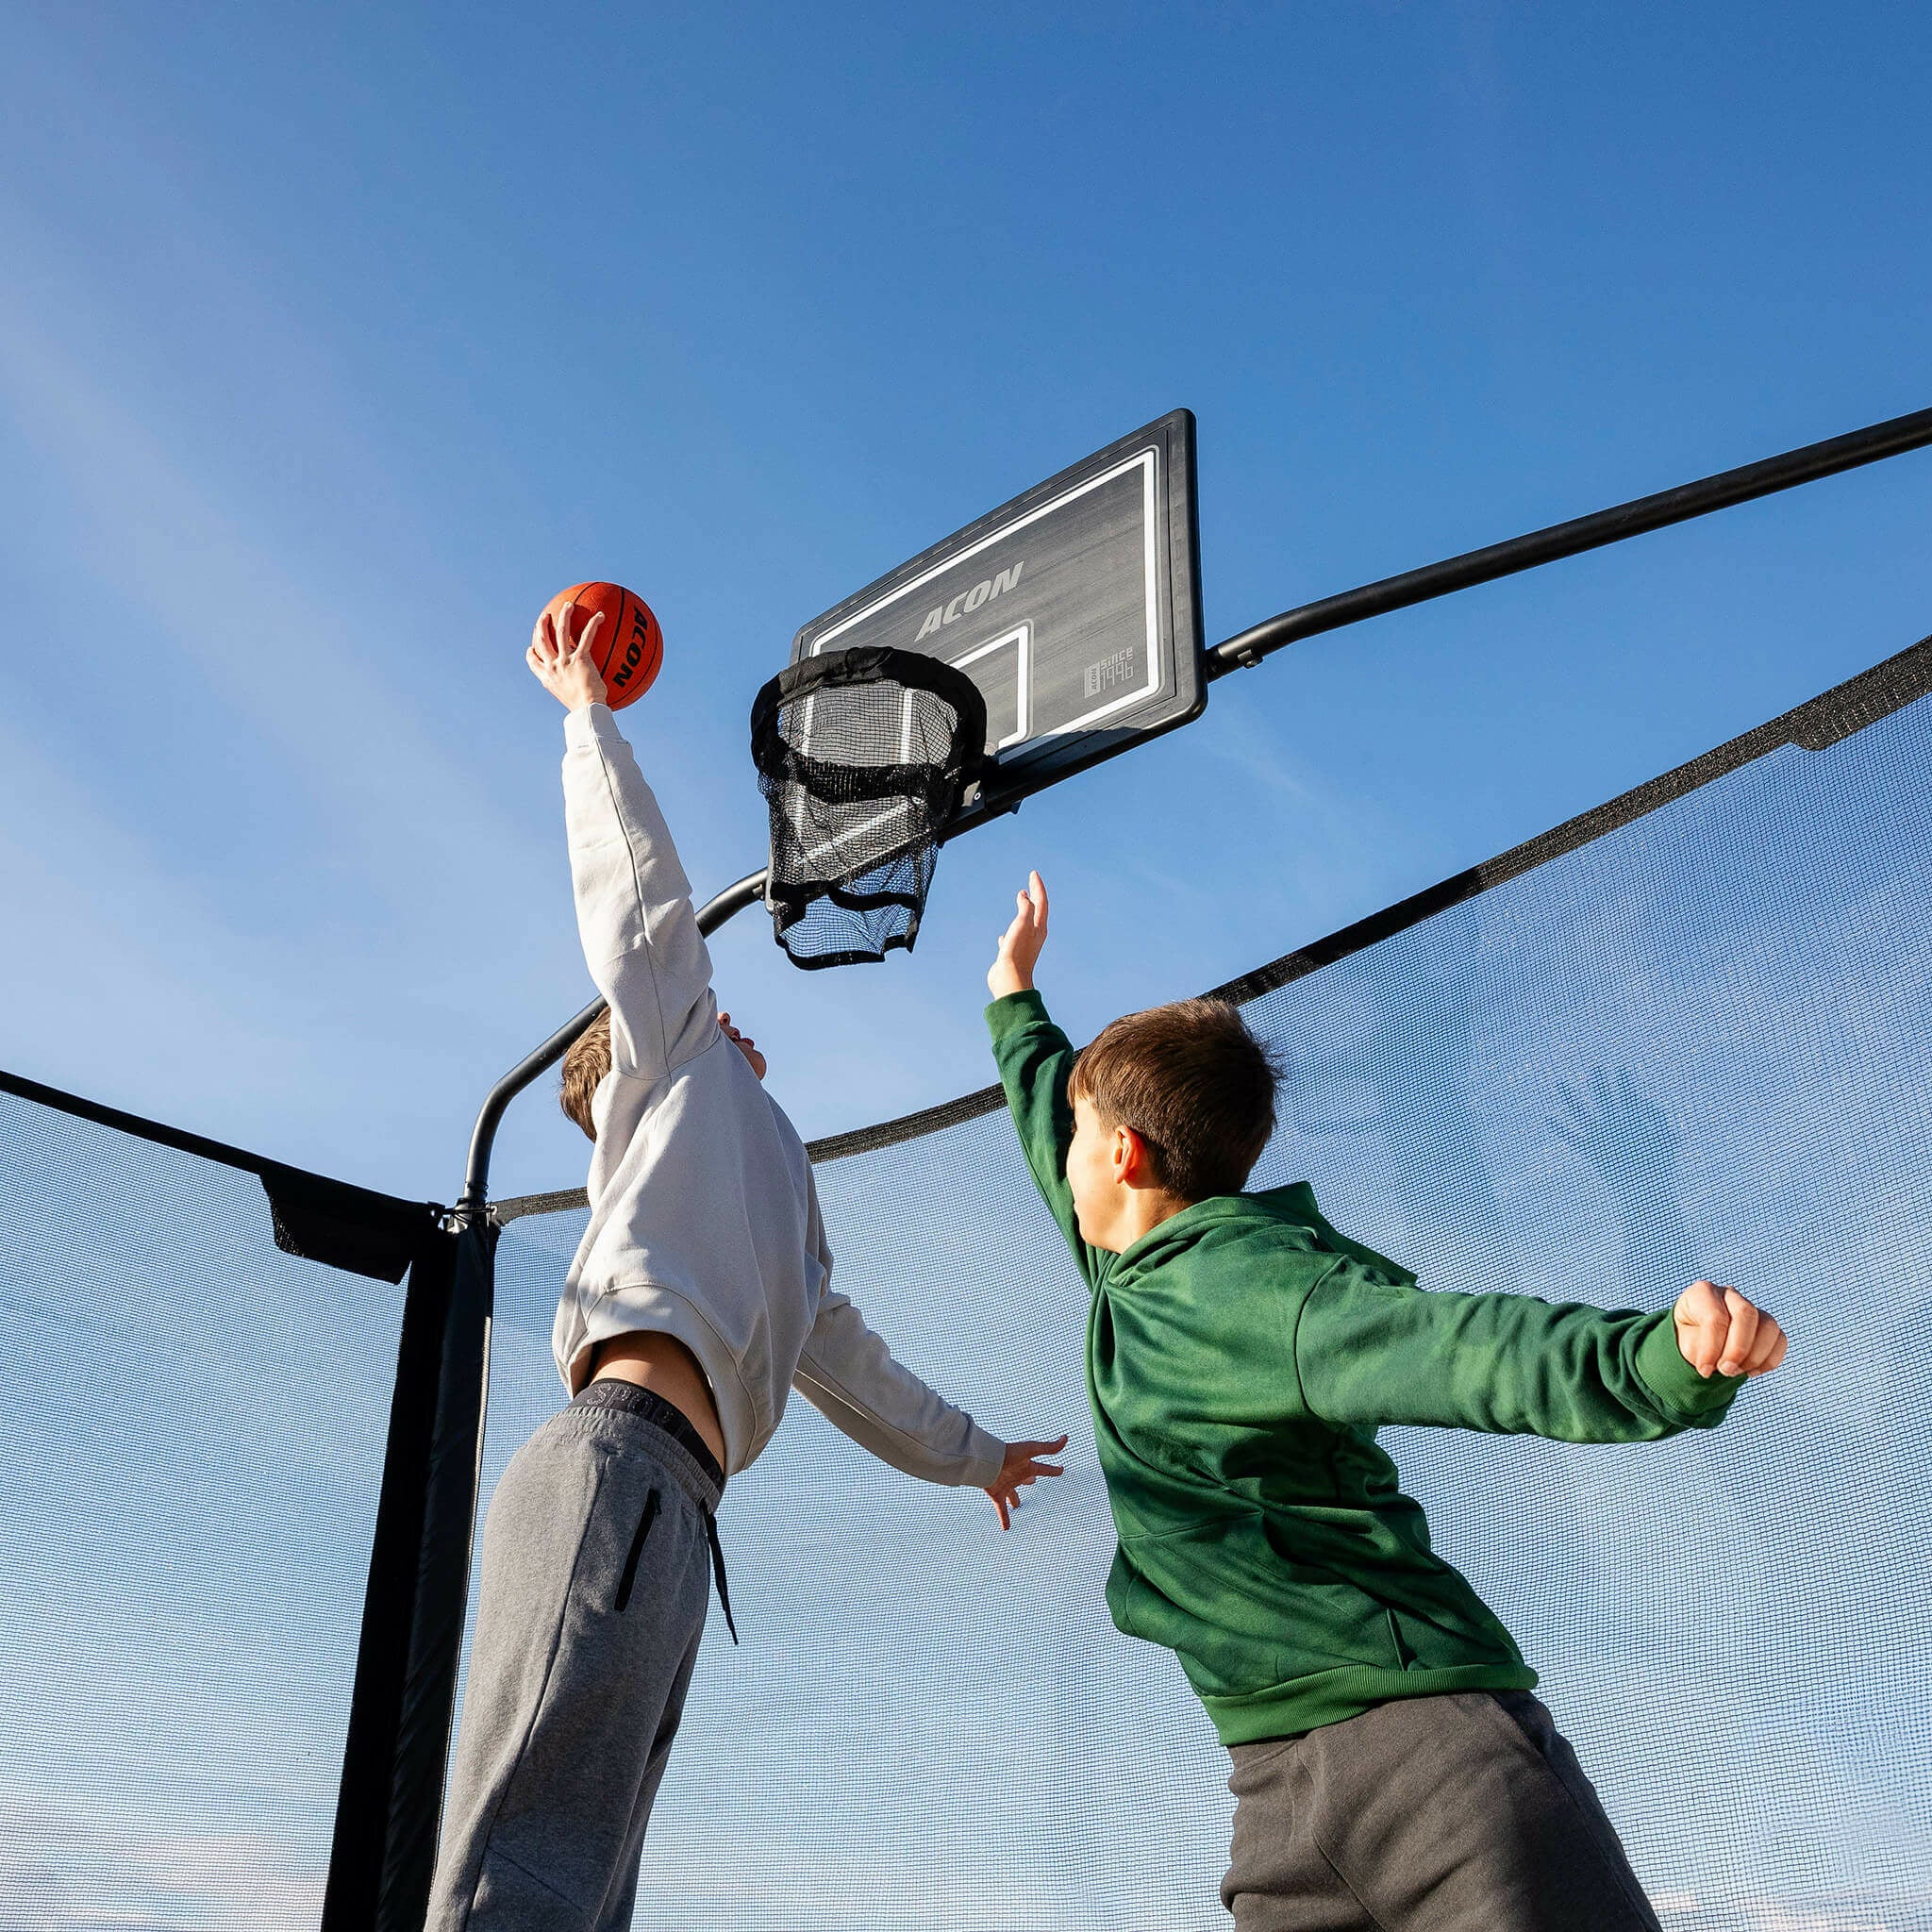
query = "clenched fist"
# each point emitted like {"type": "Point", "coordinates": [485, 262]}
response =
{"type": "Point", "coordinates": [1719, 1329]}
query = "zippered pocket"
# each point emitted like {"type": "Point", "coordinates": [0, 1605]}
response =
{"type": "Point", "coordinates": [637, 1550]}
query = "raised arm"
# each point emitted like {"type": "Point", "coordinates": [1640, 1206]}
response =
{"type": "Point", "coordinates": [1370, 1351]}
{"type": "Point", "coordinates": [639, 933]}
{"type": "Point", "coordinates": [1035, 1059]}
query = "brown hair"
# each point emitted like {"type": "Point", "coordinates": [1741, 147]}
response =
{"type": "Point", "coordinates": [584, 1067]}
{"type": "Point", "coordinates": [1193, 1083]}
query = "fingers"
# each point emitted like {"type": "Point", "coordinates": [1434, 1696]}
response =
{"type": "Point", "coordinates": [1740, 1335]}
{"type": "Point", "coordinates": [587, 636]}
{"type": "Point", "coordinates": [1025, 1462]}
{"type": "Point", "coordinates": [541, 656]}
{"type": "Point", "coordinates": [1021, 1468]}
{"type": "Point", "coordinates": [1036, 892]}
{"type": "Point", "coordinates": [1723, 1332]}
{"type": "Point", "coordinates": [1769, 1349]}
{"type": "Point", "coordinates": [1702, 1319]}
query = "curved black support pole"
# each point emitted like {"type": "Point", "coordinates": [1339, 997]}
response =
{"type": "Point", "coordinates": [1592, 532]}
{"type": "Point", "coordinates": [475, 1195]}
{"type": "Point", "coordinates": [1613, 525]}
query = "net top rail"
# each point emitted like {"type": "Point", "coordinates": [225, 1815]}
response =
{"type": "Point", "coordinates": [315, 1216]}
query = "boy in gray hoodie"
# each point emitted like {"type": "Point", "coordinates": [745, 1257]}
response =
{"type": "Point", "coordinates": [699, 1297]}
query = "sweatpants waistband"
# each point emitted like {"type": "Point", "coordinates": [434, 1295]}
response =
{"type": "Point", "coordinates": [645, 1405]}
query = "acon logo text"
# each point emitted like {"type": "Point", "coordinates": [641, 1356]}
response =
{"type": "Point", "coordinates": [634, 651]}
{"type": "Point", "coordinates": [986, 589]}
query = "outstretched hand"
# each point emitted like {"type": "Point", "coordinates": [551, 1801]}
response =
{"type": "Point", "coordinates": [1021, 1467]}
{"type": "Point", "coordinates": [1019, 947]}
{"type": "Point", "coordinates": [565, 668]}
{"type": "Point", "coordinates": [1719, 1329]}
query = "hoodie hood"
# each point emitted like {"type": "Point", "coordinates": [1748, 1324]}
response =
{"type": "Point", "coordinates": [1292, 1206]}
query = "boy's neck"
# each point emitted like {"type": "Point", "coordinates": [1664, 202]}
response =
{"type": "Point", "coordinates": [1143, 1210]}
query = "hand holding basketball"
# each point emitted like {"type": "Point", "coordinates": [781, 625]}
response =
{"type": "Point", "coordinates": [566, 667]}
{"type": "Point", "coordinates": [624, 650]}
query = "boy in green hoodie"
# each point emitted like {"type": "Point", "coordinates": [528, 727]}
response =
{"type": "Point", "coordinates": [1391, 1771]}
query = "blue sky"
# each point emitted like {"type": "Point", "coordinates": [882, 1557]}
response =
{"type": "Point", "coordinates": [332, 344]}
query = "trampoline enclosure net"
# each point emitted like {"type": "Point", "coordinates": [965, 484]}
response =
{"type": "Point", "coordinates": [191, 1440]}
{"type": "Point", "coordinates": [1696, 1044]}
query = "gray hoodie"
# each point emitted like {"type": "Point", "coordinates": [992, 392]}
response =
{"type": "Point", "coordinates": [703, 1217]}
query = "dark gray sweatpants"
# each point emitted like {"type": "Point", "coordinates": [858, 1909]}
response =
{"type": "Point", "coordinates": [595, 1580]}
{"type": "Point", "coordinates": [1466, 1813]}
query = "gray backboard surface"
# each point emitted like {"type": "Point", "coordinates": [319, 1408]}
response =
{"type": "Point", "coordinates": [1074, 608]}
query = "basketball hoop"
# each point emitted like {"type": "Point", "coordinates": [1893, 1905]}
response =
{"type": "Point", "coordinates": [864, 757]}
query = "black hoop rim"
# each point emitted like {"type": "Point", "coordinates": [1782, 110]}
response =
{"type": "Point", "coordinates": [866, 664]}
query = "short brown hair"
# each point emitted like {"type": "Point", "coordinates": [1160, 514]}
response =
{"type": "Point", "coordinates": [1193, 1083]}
{"type": "Point", "coordinates": [584, 1067]}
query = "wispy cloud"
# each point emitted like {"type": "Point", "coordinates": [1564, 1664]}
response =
{"type": "Point", "coordinates": [299, 673]}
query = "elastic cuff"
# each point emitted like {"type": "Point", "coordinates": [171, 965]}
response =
{"type": "Point", "coordinates": [583, 729]}
{"type": "Point", "coordinates": [1680, 1390]}
{"type": "Point", "coordinates": [1014, 1010]}
{"type": "Point", "coordinates": [980, 1473]}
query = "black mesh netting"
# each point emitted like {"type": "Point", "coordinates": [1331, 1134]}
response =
{"type": "Point", "coordinates": [862, 757]}
{"type": "Point", "coordinates": [191, 1440]}
{"type": "Point", "coordinates": [1695, 1044]}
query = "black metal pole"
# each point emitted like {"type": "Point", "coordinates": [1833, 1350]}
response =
{"type": "Point", "coordinates": [1592, 532]}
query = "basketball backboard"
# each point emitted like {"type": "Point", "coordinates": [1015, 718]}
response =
{"type": "Point", "coordinates": [1076, 609]}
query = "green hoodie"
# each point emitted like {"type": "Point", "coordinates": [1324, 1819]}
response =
{"type": "Point", "coordinates": [1239, 1358]}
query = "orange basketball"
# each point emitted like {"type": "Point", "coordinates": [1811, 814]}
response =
{"type": "Point", "coordinates": [630, 647]}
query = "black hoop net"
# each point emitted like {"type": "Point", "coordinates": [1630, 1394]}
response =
{"type": "Point", "coordinates": [863, 756]}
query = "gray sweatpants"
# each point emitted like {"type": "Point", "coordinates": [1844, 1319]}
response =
{"type": "Point", "coordinates": [596, 1581]}
{"type": "Point", "coordinates": [1466, 1813]}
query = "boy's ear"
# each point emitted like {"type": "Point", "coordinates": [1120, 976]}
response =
{"type": "Point", "coordinates": [1130, 1160]}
